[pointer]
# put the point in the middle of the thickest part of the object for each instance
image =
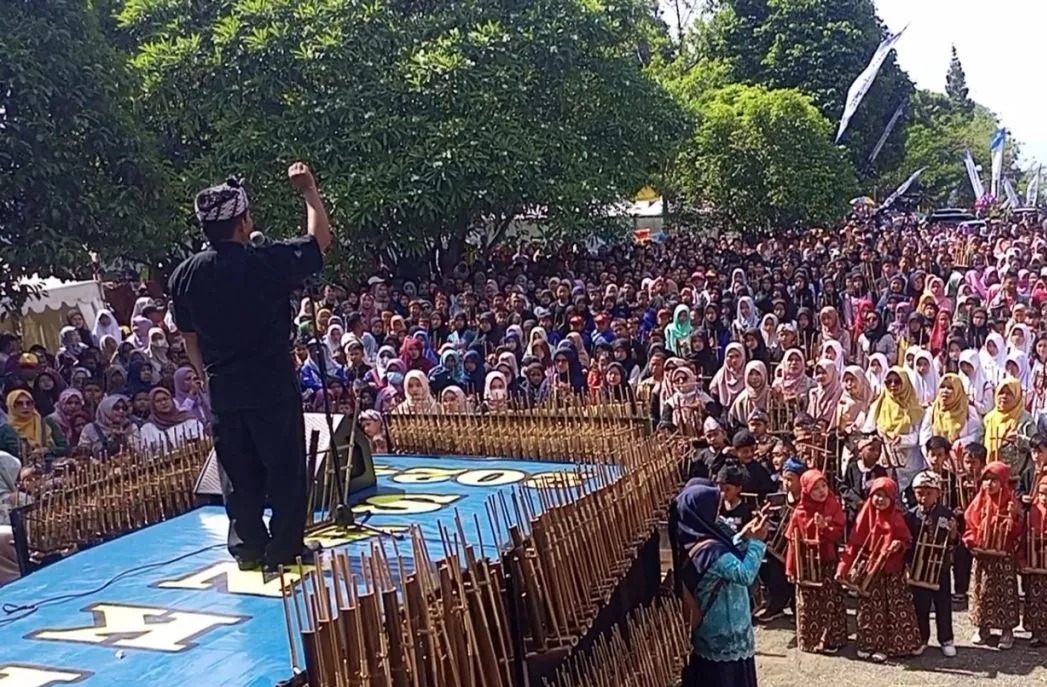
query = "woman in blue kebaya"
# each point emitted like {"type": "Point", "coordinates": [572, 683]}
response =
{"type": "Point", "coordinates": [717, 572]}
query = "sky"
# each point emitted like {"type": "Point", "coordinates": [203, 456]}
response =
{"type": "Point", "coordinates": [999, 43]}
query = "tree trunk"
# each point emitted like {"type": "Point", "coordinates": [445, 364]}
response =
{"type": "Point", "coordinates": [454, 252]}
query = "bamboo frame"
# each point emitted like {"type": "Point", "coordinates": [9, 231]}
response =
{"type": "Point", "coordinates": [930, 550]}
{"type": "Point", "coordinates": [807, 551]}
{"type": "Point", "coordinates": [867, 565]}
{"type": "Point", "coordinates": [1034, 550]}
{"type": "Point", "coordinates": [994, 531]}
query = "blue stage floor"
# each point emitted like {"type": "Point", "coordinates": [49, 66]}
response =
{"type": "Point", "coordinates": [128, 614]}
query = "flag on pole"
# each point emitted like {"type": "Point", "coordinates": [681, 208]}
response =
{"type": "Point", "coordinates": [1032, 193]}
{"type": "Point", "coordinates": [887, 130]}
{"type": "Point", "coordinates": [996, 146]}
{"type": "Point", "coordinates": [865, 80]}
{"type": "Point", "coordinates": [900, 191]}
{"type": "Point", "coordinates": [972, 174]}
{"type": "Point", "coordinates": [1012, 196]}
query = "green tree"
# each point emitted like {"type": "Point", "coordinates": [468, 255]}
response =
{"type": "Point", "coordinates": [956, 82]}
{"type": "Point", "coordinates": [939, 133]}
{"type": "Point", "coordinates": [818, 47]}
{"type": "Point", "coordinates": [421, 118]}
{"type": "Point", "coordinates": [763, 158]}
{"type": "Point", "coordinates": [77, 176]}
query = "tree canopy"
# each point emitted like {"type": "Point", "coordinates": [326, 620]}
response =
{"type": "Point", "coordinates": [762, 158]}
{"type": "Point", "coordinates": [956, 82]}
{"type": "Point", "coordinates": [420, 118]}
{"type": "Point", "coordinates": [818, 47]}
{"type": "Point", "coordinates": [78, 173]}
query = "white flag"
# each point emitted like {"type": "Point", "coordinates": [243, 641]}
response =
{"type": "Point", "coordinates": [865, 80]}
{"type": "Point", "coordinates": [1032, 193]}
{"type": "Point", "coordinates": [900, 191]}
{"type": "Point", "coordinates": [1012, 196]}
{"type": "Point", "coordinates": [996, 146]}
{"type": "Point", "coordinates": [972, 174]}
{"type": "Point", "coordinates": [887, 130]}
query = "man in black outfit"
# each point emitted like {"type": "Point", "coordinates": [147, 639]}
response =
{"type": "Point", "coordinates": [230, 302]}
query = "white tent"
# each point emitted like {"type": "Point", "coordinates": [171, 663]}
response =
{"type": "Point", "coordinates": [42, 317]}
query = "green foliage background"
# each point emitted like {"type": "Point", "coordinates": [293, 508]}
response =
{"type": "Point", "coordinates": [425, 120]}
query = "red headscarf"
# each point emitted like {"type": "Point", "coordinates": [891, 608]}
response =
{"type": "Point", "coordinates": [985, 507]}
{"type": "Point", "coordinates": [802, 521]}
{"type": "Point", "coordinates": [877, 528]}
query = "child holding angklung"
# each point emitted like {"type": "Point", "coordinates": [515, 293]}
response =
{"type": "Point", "coordinates": [780, 593]}
{"type": "Point", "coordinates": [818, 520]}
{"type": "Point", "coordinates": [973, 464]}
{"type": "Point", "coordinates": [886, 617]}
{"type": "Point", "coordinates": [993, 533]}
{"type": "Point", "coordinates": [1035, 617]}
{"type": "Point", "coordinates": [935, 521]}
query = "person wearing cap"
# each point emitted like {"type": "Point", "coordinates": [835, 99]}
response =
{"type": "Point", "coordinates": [929, 515]}
{"type": "Point", "coordinates": [230, 301]}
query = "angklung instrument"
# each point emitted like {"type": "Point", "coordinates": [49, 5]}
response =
{"type": "Point", "coordinates": [895, 458]}
{"type": "Point", "coordinates": [1034, 552]}
{"type": "Point", "coordinates": [807, 551]}
{"type": "Point", "coordinates": [994, 531]}
{"type": "Point", "coordinates": [930, 551]}
{"type": "Point", "coordinates": [778, 544]}
{"type": "Point", "coordinates": [867, 565]}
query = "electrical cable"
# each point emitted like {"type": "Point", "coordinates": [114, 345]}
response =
{"type": "Point", "coordinates": [27, 610]}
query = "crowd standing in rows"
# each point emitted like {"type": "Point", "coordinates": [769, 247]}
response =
{"type": "Point", "coordinates": [922, 347]}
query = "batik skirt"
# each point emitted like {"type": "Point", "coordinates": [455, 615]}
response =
{"type": "Point", "coordinates": [994, 593]}
{"type": "Point", "coordinates": [821, 616]}
{"type": "Point", "coordinates": [887, 617]}
{"type": "Point", "coordinates": [1035, 618]}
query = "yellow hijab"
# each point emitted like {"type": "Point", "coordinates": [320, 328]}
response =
{"type": "Point", "coordinates": [31, 428]}
{"type": "Point", "coordinates": [900, 412]}
{"type": "Point", "coordinates": [1002, 421]}
{"type": "Point", "coordinates": [949, 419]}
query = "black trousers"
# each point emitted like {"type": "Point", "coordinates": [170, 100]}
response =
{"type": "Point", "coordinates": [262, 452]}
{"type": "Point", "coordinates": [961, 569]}
{"type": "Point", "coordinates": [780, 594]}
{"type": "Point", "coordinates": [941, 601]}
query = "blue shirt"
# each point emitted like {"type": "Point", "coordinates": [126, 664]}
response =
{"type": "Point", "coordinates": [726, 633]}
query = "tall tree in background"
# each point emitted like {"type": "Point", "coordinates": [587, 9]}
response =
{"type": "Point", "coordinates": [956, 82]}
{"type": "Point", "coordinates": [818, 47]}
{"type": "Point", "coordinates": [421, 118]}
{"type": "Point", "coordinates": [762, 159]}
{"type": "Point", "coordinates": [77, 173]}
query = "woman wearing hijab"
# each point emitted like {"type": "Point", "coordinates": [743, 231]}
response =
{"type": "Point", "coordinates": [105, 325]}
{"type": "Point", "coordinates": [831, 329]}
{"type": "Point", "coordinates": [190, 395]}
{"type": "Point", "coordinates": [168, 427]}
{"type": "Point", "coordinates": [684, 404]}
{"type": "Point", "coordinates": [1017, 366]}
{"type": "Point", "coordinates": [876, 371]}
{"type": "Point", "coordinates": [139, 337]}
{"type": "Point", "coordinates": [496, 393]}
{"type": "Point", "coordinates": [418, 397]}
{"type": "Point", "coordinates": [112, 431]}
{"type": "Point", "coordinates": [914, 334]}
{"type": "Point", "coordinates": [372, 424]}
{"type": "Point", "coordinates": [1008, 422]}
{"type": "Point", "coordinates": [755, 348]}
{"type": "Point", "coordinates": [897, 416]}
{"type": "Point", "coordinates": [821, 616]}
{"type": "Point", "coordinates": [453, 400]}
{"type": "Point", "coordinates": [754, 395]}
{"type": "Point", "coordinates": [994, 577]}
{"type": "Point", "coordinates": [925, 378]}
{"type": "Point", "coordinates": [886, 616]}
{"type": "Point", "coordinates": [412, 353]}
{"type": "Point", "coordinates": [716, 573]}
{"type": "Point", "coordinates": [70, 405]}
{"type": "Point", "coordinates": [746, 318]}
{"type": "Point", "coordinates": [678, 331]}
{"type": "Point", "coordinates": [448, 373]}
{"type": "Point", "coordinates": [729, 380]}
{"type": "Point", "coordinates": [975, 385]}
{"type": "Point", "coordinates": [875, 339]}
{"type": "Point", "coordinates": [951, 415]}
{"type": "Point", "coordinates": [824, 399]}
{"type": "Point", "coordinates": [392, 393]}
{"type": "Point", "coordinates": [46, 388]}
{"type": "Point", "coordinates": [38, 436]}
{"type": "Point", "coordinates": [10, 497]}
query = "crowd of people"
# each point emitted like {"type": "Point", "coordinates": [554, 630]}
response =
{"type": "Point", "coordinates": [919, 349]}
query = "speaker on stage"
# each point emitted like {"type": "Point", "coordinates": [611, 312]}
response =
{"type": "Point", "coordinates": [212, 482]}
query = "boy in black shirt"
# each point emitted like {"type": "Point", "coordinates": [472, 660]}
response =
{"type": "Point", "coordinates": [931, 520]}
{"type": "Point", "coordinates": [733, 509]}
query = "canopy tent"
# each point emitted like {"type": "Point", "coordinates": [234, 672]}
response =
{"type": "Point", "coordinates": [42, 317]}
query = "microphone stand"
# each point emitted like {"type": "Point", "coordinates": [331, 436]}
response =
{"type": "Point", "coordinates": [341, 513]}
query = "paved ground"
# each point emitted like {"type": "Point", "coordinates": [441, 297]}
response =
{"type": "Point", "coordinates": [780, 664]}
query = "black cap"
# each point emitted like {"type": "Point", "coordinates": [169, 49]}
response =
{"type": "Point", "coordinates": [743, 438]}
